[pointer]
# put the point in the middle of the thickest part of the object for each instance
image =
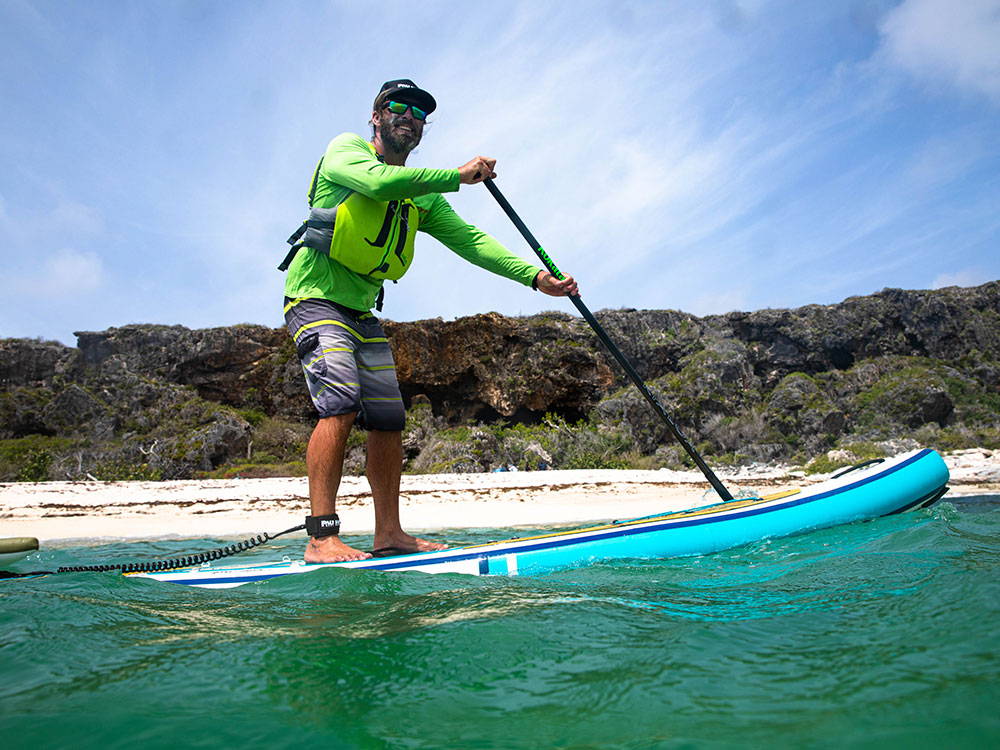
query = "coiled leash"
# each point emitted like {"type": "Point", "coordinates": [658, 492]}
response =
{"type": "Point", "coordinates": [316, 526]}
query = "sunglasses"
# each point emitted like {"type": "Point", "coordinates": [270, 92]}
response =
{"type": "Point", "coordinates": [398, 108]}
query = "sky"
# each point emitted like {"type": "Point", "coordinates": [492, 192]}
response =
{"type": "Point", "coordinates": [704, 156]}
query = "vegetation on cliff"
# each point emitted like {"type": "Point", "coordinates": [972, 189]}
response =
{"type": "Point", "coordinates": [817, 386]}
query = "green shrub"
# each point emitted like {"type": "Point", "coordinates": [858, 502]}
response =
{"type": "Point", "coordinates": [854, 453]}
{"type": "Point", "coordinates": [29, 458]}
{"type": "Point", "coordinates": [35, 466]}
{"type": "Point", "coordinates": [553, 443]}
{"type": "Point", "coordinates": [254, 470]}
{"type": "Point", "coordinates": [254, 417]}
{"type": "Point", "coordinates": [281, 440]}
{"type": "Point", "coordinates": [125, 471]}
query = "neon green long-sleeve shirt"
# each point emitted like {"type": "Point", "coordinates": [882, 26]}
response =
{"type": "Point", "coordinates": [349, 165]}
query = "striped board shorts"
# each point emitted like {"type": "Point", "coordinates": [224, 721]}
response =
{"type": "Point", "coordinates": [347, 363]}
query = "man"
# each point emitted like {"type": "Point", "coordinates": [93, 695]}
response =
{"type": "Point", "coordinates": [366, 207]}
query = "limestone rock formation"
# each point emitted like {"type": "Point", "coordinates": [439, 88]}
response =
{"type": "Point", "coordinates": [156, 400]}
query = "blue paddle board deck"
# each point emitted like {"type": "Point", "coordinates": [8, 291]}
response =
{"type": "Point", "coordinates": [912, 480]}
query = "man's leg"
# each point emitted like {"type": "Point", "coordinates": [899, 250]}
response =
{"type": "Point", "coordinates": [384, 466]}
{"type": "Point", "coordinates": [325, 464]}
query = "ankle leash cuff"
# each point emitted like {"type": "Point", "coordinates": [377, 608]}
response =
{"type": "Point", "coordinates": [321, 526]}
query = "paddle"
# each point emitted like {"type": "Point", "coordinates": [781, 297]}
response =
{"type": "Point", "coordinates": [603, 336]}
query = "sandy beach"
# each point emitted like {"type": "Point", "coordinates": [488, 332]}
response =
{"type": "Point", "coordinates": [63, 512]}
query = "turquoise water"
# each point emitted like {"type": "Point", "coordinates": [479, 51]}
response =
{"type": "Point", "coordinates": [880, 634]}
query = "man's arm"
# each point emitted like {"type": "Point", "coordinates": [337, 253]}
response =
{"type": "Point", "coordinates": [350, 163]}
{"type": "Point", "coordinates": [474, 245]}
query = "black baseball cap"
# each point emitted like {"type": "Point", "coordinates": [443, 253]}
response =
{"type": "Point", "coordinates": [406, 91]}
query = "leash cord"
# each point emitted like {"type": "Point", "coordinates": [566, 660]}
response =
{"type": "Point", "coordinates": [177, 562]}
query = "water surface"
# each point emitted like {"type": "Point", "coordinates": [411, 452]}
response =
{"type": "Point", "coordinates": [879, 634]}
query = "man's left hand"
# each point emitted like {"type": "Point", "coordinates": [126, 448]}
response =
{"type": "Point", "coordinates": [552, 286]}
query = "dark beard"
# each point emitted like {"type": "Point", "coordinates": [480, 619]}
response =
{"type": "Point", "coordinates": [403, 145]}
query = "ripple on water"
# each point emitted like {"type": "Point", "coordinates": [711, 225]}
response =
{"type": "Point", "coordinates": [872, 632]}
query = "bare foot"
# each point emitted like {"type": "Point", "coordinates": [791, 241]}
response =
{"type": "Point", "coordinates": [330, 549]}
{"type": "Point", "coordinates": [402, 543]}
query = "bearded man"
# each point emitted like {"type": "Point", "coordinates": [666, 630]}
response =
{"type": "Point", "coordinates": [366, 206]}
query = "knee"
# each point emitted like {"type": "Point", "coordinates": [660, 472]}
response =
{"type": "Point", "coordinates": [336, 426]}
{"type": "Point", "coordinates": [389, 417]}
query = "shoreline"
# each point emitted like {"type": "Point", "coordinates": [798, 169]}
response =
{"type": "Point", "coordinates": [82, 512]}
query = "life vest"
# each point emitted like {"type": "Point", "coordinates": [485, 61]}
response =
{"type": "Point", "coordinates": [370, 237]}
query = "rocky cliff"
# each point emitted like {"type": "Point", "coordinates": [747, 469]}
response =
{"type": "Point", "coordinates": [166, 401]}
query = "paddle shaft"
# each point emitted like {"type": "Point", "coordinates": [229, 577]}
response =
{"type": "Point", "coordinates": [606, 340]}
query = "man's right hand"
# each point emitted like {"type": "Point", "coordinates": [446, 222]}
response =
{"type": "Point", "coordinates": [477, 170]}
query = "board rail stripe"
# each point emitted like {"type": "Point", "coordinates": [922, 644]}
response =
{"type": "Point", "coordinates": [597, 533]}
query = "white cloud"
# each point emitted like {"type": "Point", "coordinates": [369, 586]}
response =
{"type": "Point", "coordinates": [735, 153]}
{"type": "Point", "coordinates": [943, 159]}
{"type": "Point", "coordinates": [963, 277]}
{"type": "Point", "coordinates": [58, 293]}
{"type": "Point", "coordinates": [719, 303]}
{"type": "Point", "coordinates": [943, 41]}
{"type": "Point", "coordinates": [75, 218]}
{"type": "Point", "coordinates": [70, 273]}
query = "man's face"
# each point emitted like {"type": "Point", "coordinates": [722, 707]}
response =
{"type": "Point", "coordinates": [400, 133]}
